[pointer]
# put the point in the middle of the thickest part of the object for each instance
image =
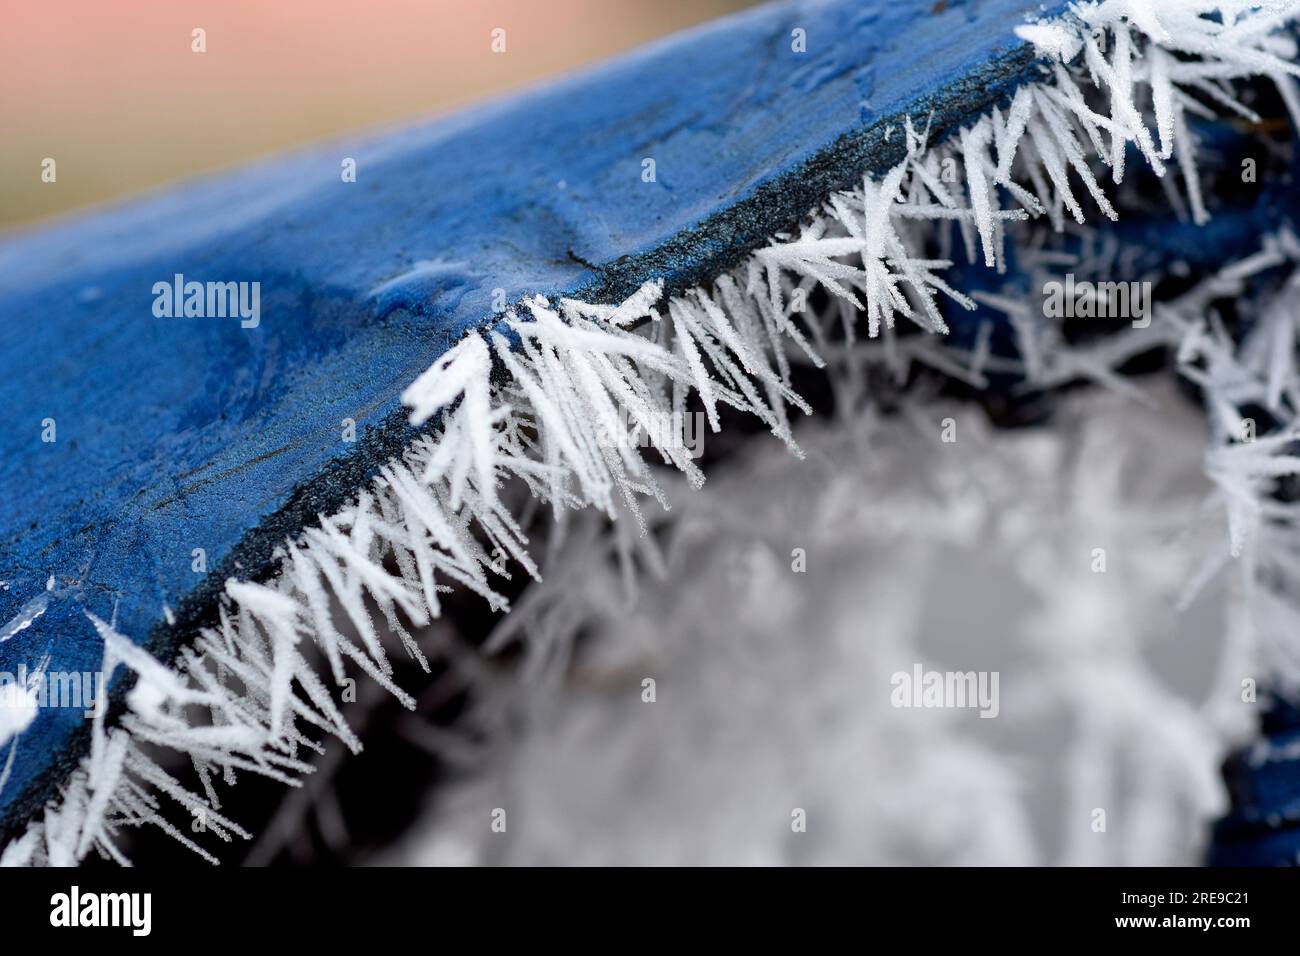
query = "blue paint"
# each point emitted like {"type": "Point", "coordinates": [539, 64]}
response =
{"type": "Point", "coordinates": [1263, 825]}
{"type": "Point", "coordinates": [183, 433]}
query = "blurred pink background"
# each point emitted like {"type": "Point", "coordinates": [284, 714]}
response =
{"type": "Point", "coordinates": [112, 91]}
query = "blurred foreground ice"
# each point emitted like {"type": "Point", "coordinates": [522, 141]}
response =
{"type": "Point", "coordinates": [773, 688]}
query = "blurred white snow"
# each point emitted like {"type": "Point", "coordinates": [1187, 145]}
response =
{"type": "Point", "coordinates": [773, 688]}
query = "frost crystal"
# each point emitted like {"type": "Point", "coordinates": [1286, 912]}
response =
{"type": "Point", "coordinates": [246, 695]}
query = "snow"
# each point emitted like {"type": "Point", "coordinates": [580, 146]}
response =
{"type": "Point", "coordinates": [785, 701]}
{"type": "Point", "coordinates": [17, 710]}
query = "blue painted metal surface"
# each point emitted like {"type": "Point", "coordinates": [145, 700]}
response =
{"type": "Point", "coordinates": [187, 432]}
{"type": "Point", "coordinates": [1263, 825]}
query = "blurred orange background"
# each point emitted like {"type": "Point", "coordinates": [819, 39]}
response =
{"type": "Point", "coordinates": [113, 93]}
